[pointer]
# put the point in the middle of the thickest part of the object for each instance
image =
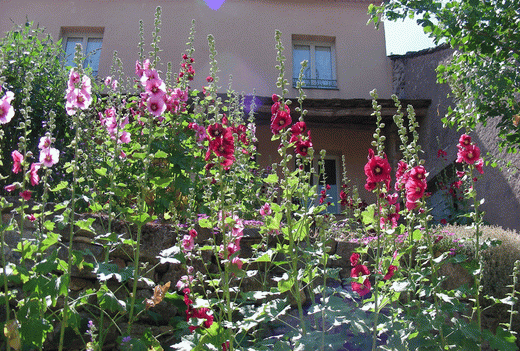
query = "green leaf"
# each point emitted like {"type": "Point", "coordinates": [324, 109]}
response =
{"type": "Point", "coordinates": [108, 301]}
{"type": "Point", "coordinates": [271, 179]}
{"type": "Point", "coordinates": [368, 215]}
{"type": "Point", "coordinates": [285, 284]}
{"type": "Point", "coordinates": [101, 171]}
{"type": "Point", "coordinates": [160, 154]}
{"type": "Point", "coordinates": [62, 185]}
{"type": "Point", "coordinates": [161, 182]}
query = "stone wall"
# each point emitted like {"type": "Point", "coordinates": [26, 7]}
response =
{"type": "Point", "coordinates": [415, 78]}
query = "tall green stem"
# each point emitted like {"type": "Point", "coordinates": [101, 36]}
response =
{"type": "Point", "coordinates": [74, 164]}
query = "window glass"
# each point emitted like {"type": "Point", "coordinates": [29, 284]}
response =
{"type": "Point", "coordinates": [70, 50]}
{"type": "Point", "coordinates": [93, 53]}
{"type": "Point", "coordinates": [323, 65]}
{"type": "Point", "coordinates": [300, 53]}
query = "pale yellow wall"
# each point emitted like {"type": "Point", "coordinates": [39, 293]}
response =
{"type": "Point", "coordinates": [244, 33]}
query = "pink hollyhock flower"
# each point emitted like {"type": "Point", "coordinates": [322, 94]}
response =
{"type": "Point", "coordinates": [138, 69]}
{"type": "Point", "coordinates": [358, 271]}
{"type": "Point", "coordinates": [478, 166]}
{"type": "Point", "coordinates": [6, 109]}
{"type": "Point", "coordinates": [377, 170]}
{"type": "Point", "coordinates": [184, 282]}
{"type": "Point", "coordinates": [390, 273]}
{"type": "Point", "coordinates": [156, 105]}
{"type": "Point", "coordinates": [187, 243]}
{"type": "Point", "coordinates": [31, 217]}
{"type": "Point", "coordinates": [74, 79]}
{"type": "Point", "coordinates": [354, 259]}
{"type": "Point", "coordinates": [238, 262]}
{"type": "Point", "coordinates": [49, 157]}
{"type": "Point", "coordinates": [155, 87]}
{"type": "Point", "coordinates": [77, 99]}
{"type": "Point", "coordinates": [45, 143]}
{"type": "Point", "coordinates": [34, 178]}
{"type": "Point", "coordinates": [10, 187]}
{"type": "Point", "coordinates": [17, 159]}
{"type": "Point", "coordinates": [124, 138]}
{"type": "Point", "coordinates": [26, 195]}
{"type": "Point", "coordinates": [193, 233]}
{"type": "Point", "coordinates": [108, 81]}
{"type": "Point", "coordinates": [468, 154]}
{"type": "Point", "coordinates": [460, 174]}
{"type": "Point", "coordinates": [181, 95]}
{"type": "Point", "coordinates": [265, 210]}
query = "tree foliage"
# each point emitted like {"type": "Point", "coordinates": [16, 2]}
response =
{"type": "Point", "coordinates": [484, 73]}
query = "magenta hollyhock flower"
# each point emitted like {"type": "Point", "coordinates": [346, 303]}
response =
{"type": "Point", "coordinates": [358, 271]}
{"type": "Point", "coordinates": [10, 187]}
{"type": "Point", "coordinates": [279, 121]}
{"type": "Point", "coordinates": [302, 147]}
{"type": "Point", "coordinates": [17, 159]}
{"type": "Point", "coordinates": [49, 156]}
{"type": "Point", "coordinates": [414, 189]}
{"type": "Point", "coordinates": [139, 71]}
{"type": "Point", "coordinates": [464, 140]}
{"type": "Point", "coordinates": [193, 233]}
{"type": "Point", "coordinates": [124, 138]}
{"type": "Point", "coordinates": [155, 87]}
{"type": "Point", "coordinates": [149, 74]}
{"type": "Point", "coordinates": [298, 128]}
{"type": "Point", "coordinates": [418, 173]}
{"type": "Point", "coordinates": [265, 210]}
{"type": "Point", "coordinates": [26, 195]}
{"type": "Point", "coordinates": [377, 170]}
{"type": "Point", "coordinates": [31, 217]}
{"type": "Point", "coordinates": [468, 154]}
{"type": "Point", "coordinates": [6, 109]}
{"type": "Point", "coordinates": [215, 130]}
{"type": "Point", "coordinates": [34, 178]}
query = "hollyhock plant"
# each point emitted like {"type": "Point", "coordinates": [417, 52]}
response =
{"type": "Point", "coordinates": [17, 159]}
{"type": "Point", "coordinates": [156, 105]}
{"type": "Point", "coordinates": [6, 109]}
{"type": "Point", "coordinates": [265, 210]}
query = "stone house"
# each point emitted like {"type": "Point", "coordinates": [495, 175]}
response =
{"type": "Point", "coordinates": [415, 78]}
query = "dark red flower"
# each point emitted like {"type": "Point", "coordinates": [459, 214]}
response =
{"type": "Point", "coordinates": [377, 170]}
{"type": "Point", "coordinates": [390, 272]}
{"type": "Point", "coordinates": [298, 128]}
{"type": "Point", "coordinates": [354, 259]}
{"type": "Point", "coordinates": [358, 271]}
{"type": "Point", "coordinates": [302, 147]}
{"type": "Point", "coordinates": [215, 130]}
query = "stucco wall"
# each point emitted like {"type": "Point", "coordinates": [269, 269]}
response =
{"type": "Point", "coordinates": [501, 189]}
{"type": "Point", "coordinates": [244, 34]}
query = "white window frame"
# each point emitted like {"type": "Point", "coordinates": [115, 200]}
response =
{"type": "Point", "coordinates": [312, 64]}
{"type": "Point", "coordinates": [85, 33]}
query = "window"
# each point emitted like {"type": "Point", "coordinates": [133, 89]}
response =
{"type": "Point", "coordinates": [332, 179]}
{"type": "Point", "coordinates": [321, 68]}
{"type": "Point", "coordinates": [90, 39]}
